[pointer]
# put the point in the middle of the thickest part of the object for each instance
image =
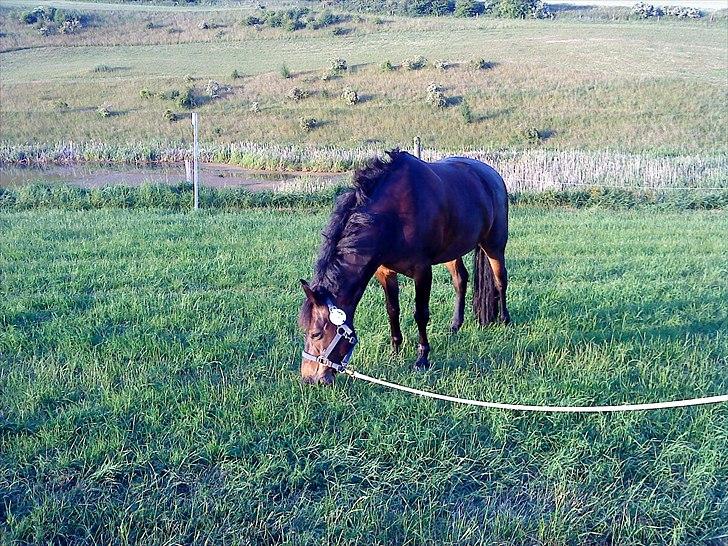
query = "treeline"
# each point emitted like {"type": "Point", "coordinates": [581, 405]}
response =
{"type": "Point", "coordinates": [458, 8]}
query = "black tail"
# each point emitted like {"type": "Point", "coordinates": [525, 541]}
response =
{"type": "Point", "coordinates": [485, 303]}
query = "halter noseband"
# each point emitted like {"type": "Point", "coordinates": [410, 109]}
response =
{"type": "Point", "coordinates": [337, 317]}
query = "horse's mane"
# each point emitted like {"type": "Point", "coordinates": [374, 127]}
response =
{"type": "Point", "coordinates": [347, 232]}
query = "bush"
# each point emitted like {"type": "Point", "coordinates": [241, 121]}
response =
{"type": "Point", "coordinates": [482, 64]}
{"type": "Point", "coordinates": [186, 99]}
{"type": "Point", "coordinates": [350, 96]}
{"type": "Point", "coordinates": [415, 64]}
{"type": "Point", "coordinates": [60, 105]}
{"type": "Point", "coordinates": [297, 94]}
{"type": "Point", "coordinates": [285, 72]}
{"type": "Point", "coordinates": [145, 93]}
{"type": "Point", "coordinates": [103, 112]}
{"type": "Point", "coordinates": [170, 116]}
{"type": "Point", "coordinates": [520, 9]}
{"type": "Point", "coordinates": [387, 66]}
{"type": "Point", "coordinates": [339, 31]}
{"type": "Point", "coordinates": [308, 124]}
{"type": "Point", "coordinates": [532, 136]}
{"type": "Point", "coordinates": [466, 112]}
{"type": "Point", "coordinates": [429, 7]}
{"type": "Point", "coordinates": [441, 65]}
{"type": "Point", "coordinates": [235, 75]}
{"type": "Point", "coordinates": [468, 8]}
{"type": "Point", "coordinates": [252, 21]}
{"type": "Point", "coordinates": [338, 66]}
{"type": "Point", "coordinates": [436, 96]}
{"type": "Point", "coordinates": [213, 89]}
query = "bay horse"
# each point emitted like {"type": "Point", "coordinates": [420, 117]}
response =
{"type": "Point", "coordinates": [403, 215]}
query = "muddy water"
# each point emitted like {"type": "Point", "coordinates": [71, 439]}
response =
{"type": "Point", "coordinates": [211, 175]}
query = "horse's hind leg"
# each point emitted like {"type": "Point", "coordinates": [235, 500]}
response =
{"type": "Point", "coordinates": [497, 261]}
{"type": "Point", "coordinates": [388, 279]}
{"type": "Point", "coordinates": [460, 282]}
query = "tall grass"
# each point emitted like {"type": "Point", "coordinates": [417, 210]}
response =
{"type": "Point", "coordinates": [522, 170]}
{"type": "Point", "coordinates": [320, 195]}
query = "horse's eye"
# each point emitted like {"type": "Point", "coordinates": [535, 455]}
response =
{"type": "Point", "coordinates": [317, 335]}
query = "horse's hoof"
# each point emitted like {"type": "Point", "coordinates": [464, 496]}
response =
{"type": "Point", "coordinates": [422, 365]}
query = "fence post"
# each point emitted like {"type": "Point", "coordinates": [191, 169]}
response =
{"type": "Point", "coordinates": [195, 163]}
{"type": "Point", "coordinates": [418, 147]}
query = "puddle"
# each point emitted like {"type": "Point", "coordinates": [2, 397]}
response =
{"type": "Point", "coordinates": [94, 175]}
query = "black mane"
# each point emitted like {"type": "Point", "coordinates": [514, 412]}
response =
{"type": "Point", "coordinates": [346, 233]}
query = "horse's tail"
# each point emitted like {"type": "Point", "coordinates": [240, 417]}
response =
{"type": "Point", "coordinates": [484, 295]}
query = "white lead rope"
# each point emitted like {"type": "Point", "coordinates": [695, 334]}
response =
{"type": "Point", "coordinates": [544, 409]}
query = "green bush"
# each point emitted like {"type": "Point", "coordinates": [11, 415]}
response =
{"type": "Point", "coordinates": [338, 66]}
{"type": "Point", "coordinates": [520, 9]}
{"type": "Point", "coordinates": [285, 72]}
{"type": "Point", "coordinates": [415, 64]}
{"type": "Point", "coordinates": [350, 96]}
{"type": "Point", "coordinates": [170, 116]}
{"type": "Point", "coordinates": [466, 112]}
{"type": "Point", "coordinates": [297, 94]}
{"type": "Point", "coordinates": [307, 123]}
{"type": "Point", "coordinates": [387, 66]}
{"type": "Point", "coordinates": [186, 99]}
{"type": "Point", "coordinates": [103, 112]}
{"type": "Point", "coordinates": [235, 75]}
{"type": "Point", "coordinates": [252, 20]}
{"type": "Point", "coordinates": [468, 8]}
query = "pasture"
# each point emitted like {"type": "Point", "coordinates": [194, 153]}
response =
{"type": "Point", "coordinates": [149, 390]}
{"type": "Point", "coordinates": [636, 86]}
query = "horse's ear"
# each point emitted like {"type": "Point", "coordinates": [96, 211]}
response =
{"type": "Point", "coordinates": [310, 294]}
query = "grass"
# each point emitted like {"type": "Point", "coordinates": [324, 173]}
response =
{"type": "Point", "coordinates": [639, 87]}
{"type": "Point", "coordinates": [149, 389]}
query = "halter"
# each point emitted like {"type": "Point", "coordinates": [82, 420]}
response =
{"type": "Point", "coordinates": [337, 317]}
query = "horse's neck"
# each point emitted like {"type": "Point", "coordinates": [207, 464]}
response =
{"type": "Point", "coordinates": [354, 282]}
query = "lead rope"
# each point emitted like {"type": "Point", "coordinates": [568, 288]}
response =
{"type": "Point", "coordinates": [543, 409]}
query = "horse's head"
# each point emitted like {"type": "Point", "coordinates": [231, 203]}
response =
{"type": "Point", "coordinates": [330, 336]}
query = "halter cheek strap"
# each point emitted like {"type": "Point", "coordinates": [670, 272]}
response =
{"type": "Point", "coordinates": [342, 332]}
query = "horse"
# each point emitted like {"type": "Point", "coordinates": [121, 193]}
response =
{"type": "Point", "coordinates": [402, 216]}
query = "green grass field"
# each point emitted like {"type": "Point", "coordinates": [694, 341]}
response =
{"type": "Point", "coordinates": [644, 87]}
{"type": "Point", "coordinates": [149, 390]}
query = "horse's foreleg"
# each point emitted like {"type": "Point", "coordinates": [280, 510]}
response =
{"type": "Point", "coordinates": [460, 282]}
{"type": "Point", "coordinates": [388, 279]}
{"type": "Point", "coordinates": [423, 284]}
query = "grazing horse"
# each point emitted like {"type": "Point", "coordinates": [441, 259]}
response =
{"type": "Point", "coordinates": [402, 216]}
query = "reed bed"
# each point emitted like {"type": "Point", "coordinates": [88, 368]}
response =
{"type": "Point", "coordinates": [522, 170]}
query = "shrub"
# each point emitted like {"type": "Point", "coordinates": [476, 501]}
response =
{"type": "Point", "coordinates": [69, 27]}
{"type": "Point", "coordinates": [387, 66]}
{"type": "Point", "coordinates": [252, 20]}
{"type": "Point", "coordinates": [186, 99]}
{"type": "Point", "coordinates": [101, 68]}
{"type": "Point", "coordinates": [103, 112]}
{"type": "Point", "coordinates": [468, 8]}
{"type": "Point", "coordinates": [442, 65]}
{"type": "Point", "coordinates": [436, 96]}
{"type": "Point", "coordinates": [339, 31]}
{"type": "Point", "coordinates": [60, 105]}
{"type": "Point", "coordinates": [297, 94]}
{"type": "Point", "coordinates": [482, 64]}
{"type": "Point", "coordinates": [203, 25]}
{"type": "Point", "coordinates": [150, 25]}
{"type": "Point", "coordinates": [415, 64]}
{"type": "Point", "coordinates": [213, 89]}
{"type": "Point", "coordinates": [145, 93]}
{"type": "Point", "coordinates": [429, 7]}
{"type": "Point", "coordinates": [350, 96]}
{"type": "Point", "coordinates": [217, 131]}
{"type": "Point", "coordinates": [308, 124]}
{"type": "Point", "coordinates": [189, 78]}
{"type": "Point", "coordinates": [338, 66]}
{"type": "Point", "coordinates": [520, 9]}
{"type": "Point", "coordinates": [532, 135]}
{"type": "Point", "coordinates": [170, 116]}
{"type": "Point", "coordinates": [235, 75]}
{"type": "Point", "coordinates": [285, 72]}
{"type": "Point", "coordinates": [466, 112]}
{"type": "Point", "coordinates": [255, 107]}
